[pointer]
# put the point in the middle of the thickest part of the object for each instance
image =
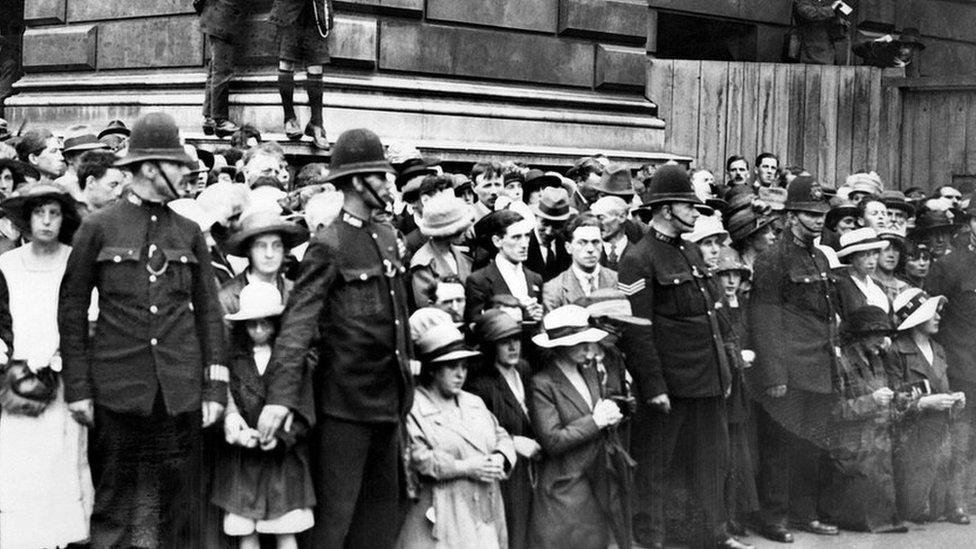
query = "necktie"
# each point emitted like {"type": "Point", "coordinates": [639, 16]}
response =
{"type": "Point", "coordinates": [588, 287]}
{"type": "Point", "coordinates": [612, 257]}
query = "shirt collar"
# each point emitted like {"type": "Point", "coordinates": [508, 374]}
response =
{"type": "Point", "coordinates": [582, 275]}
{"type": "Point", "coordinates": [503, 263]}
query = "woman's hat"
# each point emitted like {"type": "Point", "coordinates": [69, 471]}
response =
{"type": "Point", "coordinates": [613, 304]}
{"type": "Point", "coordinates": [257, 300]}
{"type": "Point", "coordinates": [747, 222]}
{"type": "Point", "coordinates": [864, 182]}
{"type": "Point", "coordinates": [730, 260]}
{"type": "Point", "coordinates": [706, 226]}
{"type": "Point", "coordinates": [553, 205]}
{"type": "Point", "coordinates": [436, 338]}
{"type": "Point", "coordinates": [931, 220]}
{"type": "Point", "coordinates": [868, 319]}
{"type": "Point", "coordinates": [264, 221]}
{"type": "Point", "coordinates": [840, 208]}
{"type": "Point", "coordinates": [567, 326]}
{"type": "Point", "coordinates": [860, 240]}
{"type": "Point", "coordinates": [21, 203]}
{"type": "Point", "coordinates": [914, 307]}
{"type": "Point", "coordinates": [357, 151]}
{"type": "Point", "coordinates": [616, 180]}
{"type": "Point", "coordinates": [155, 136]}
{"type": "Point", "coordinates": [445, 215]}
{"type": "Point", "coordinates": [20, 170]}
{"type": "Point", "coordinates": [495, 325]}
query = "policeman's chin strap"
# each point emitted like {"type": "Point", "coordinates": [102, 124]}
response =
{"type": "Point", "coordinates": [807, 227]}
{"type": "Point", "coordinates": [373, 192]}
{"type": "Point", "coordinates": [169, 183]}
{"type": "Point", "coordinates": [682, 221]}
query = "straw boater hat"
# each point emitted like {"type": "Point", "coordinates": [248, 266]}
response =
{"type": "Point", "coordinates": [706, 226]}
{"type": "Point", "coordinates": [567, 326]}
{"type": "Point", "coordinates": [553, 205]}
{"type": "Point", "coordinates": [445, 215]}
{"type": "Point", "coordinates": [612, 304]}
{"type": "Point", "coordinates": [914, 307]}
{"type": "Point", "coordinates": [495, 325]}
{"type": "Point", "coordinates": [264, 221]}
{"type": "Point", "coordinates": [21, 203]}
{"type": "Point", "coordinates": [436, 338]}
{"type": "Point", "coordinates": [860, 240]}
{"type": "Point", "coordinates": [258, 300]}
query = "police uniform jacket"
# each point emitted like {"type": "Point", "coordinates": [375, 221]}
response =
{"type": "Point", "coordinates": [223, 18]}
{"type": "Point", "coordinates": [352, 290]}
{"type": "Point", "coordinates": [793, 314]}
{"type": "Point", "coordinates": [955, 278]}
{"type": "Point", "coordinates": [159, 328]}
{"type": "Point", "coordinates": [682, 353]}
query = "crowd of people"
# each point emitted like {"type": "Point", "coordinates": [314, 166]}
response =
{"type": "Point", "coordinates": [214, 348]}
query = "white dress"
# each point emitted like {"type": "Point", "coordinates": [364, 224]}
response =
{"type": "Point", "coordinates": [45, 484]}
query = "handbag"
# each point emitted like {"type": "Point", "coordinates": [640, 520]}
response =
{"type": "Point", "coordinates": [26, 392]}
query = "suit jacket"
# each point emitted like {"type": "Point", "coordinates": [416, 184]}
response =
{"type": "Point", "coordinates": [425, 268]}
{"type": "Point", "coordinates": [555, 264]}
{"type": "Point", "coordinates": [565, 511]}
{"type": "Point", "coordinates": [486, 282]}
{"type": "Point", "coordinates": [566, 288]}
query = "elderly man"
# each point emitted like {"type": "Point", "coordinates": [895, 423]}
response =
{"type": "Point", "coordinates": [266, 159]}
{"type": "Point", "coordinates": [585, 275]}
{"type": "Point", "coordinates": [150, 376]}
{"type": "Point", "coordinates": [679, 364]}
{"type": "Point", "coordinates": [794, 314]}
{"type": "Point", "coordinates": [616, 229]}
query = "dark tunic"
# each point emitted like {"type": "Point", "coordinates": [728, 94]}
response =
{"type": "Point", "coordinates": [860, 492]}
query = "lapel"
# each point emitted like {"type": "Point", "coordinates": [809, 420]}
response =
{"type": "Point", "coordinates": [508, 397]}
{"type": "Point", "coordinates": [464, 263]}
{"type": "Point", "coordinates": [570, 392]}
{"type": "Point", "coordinates": [433, 414]}
{"type": "Point", "coordinates": [606, 279]}
{"type": "Point", "coordinates": [572, 289]}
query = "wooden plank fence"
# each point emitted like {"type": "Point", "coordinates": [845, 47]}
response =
{"type": "Point", "coordinates": [830, 120]}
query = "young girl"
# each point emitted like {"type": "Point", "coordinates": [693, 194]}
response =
{"type": "Point", "coordinates": [263, 489]}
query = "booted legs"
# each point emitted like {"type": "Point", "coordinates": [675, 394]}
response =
{"type": "Point", "coordinates": [313, 86]}
{"type": "Point", "coordinates": [286, 89]}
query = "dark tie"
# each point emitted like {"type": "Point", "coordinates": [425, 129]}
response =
{"type": "Point", "coordinates": [612, 257]}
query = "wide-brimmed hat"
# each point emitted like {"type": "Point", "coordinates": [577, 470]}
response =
{"type": "Point", "coordinates": [896, 239]}
{"type": "Point", "coordinates": [80, 139]}
{"type": "Point", "coordinates": [536, 180]}
{"type": "Point", "coordinates": [553, 205]}
{"type": "Point", "coordinates": [616, 180]}
{"type": "Point", "coordinates": [264, 221]}
{"type": "Point", "coordinates": [155, 136]}
{"type": "Point", "coordinates": [445, 215]}
{"type": "Point", "coordinates": [706, 226]}
{"type": "Point", "coordinates": [860, 240]}
{"type": "Point", "coordinates": [613, 304]}
{"type": "Point", "coordinates": [495, 325]}
{"type": "Point", "coordinates": [914, 307]}
{"type": "Point", "coordinates": [116, 127]}
{"type": "Point", "coordinates": [670, 183]}
{"type": "Point", "coordinates": [747, 222]}
{"type": "Point", "coordinates": [930, 220]}
{"type": "Point", "coordinates": [567, 326]}
{"type": "Point", "coordinates": [436, 338]}
{"type": "Point", "coordinates": [868, 319]}
{"type": "Point", "coordinates": [730, 260]}
{"type": "Point", "coordinates": [257, 300]}
{"type": "Point", "coordinates": [840, 208]}
{"type": "Point", "coordinates": [895, 200]}
{"type": "Point", "coordinates": [20, 170]}
{"type": "Point", "coordinates": [804, 194]}
{"type": "Point", "coordinates": [357, 151]}
{"type": "Point", "coordinates": [911, 37]}
{"type": "Point", "coordinates": [19, 205]}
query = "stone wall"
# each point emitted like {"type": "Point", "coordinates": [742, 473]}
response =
{"type": "Point", "coordinates": [587, 44]}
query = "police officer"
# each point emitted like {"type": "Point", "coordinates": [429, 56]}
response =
{"type": "Point", "coordinates": [679, 362]}
{"type": "Point", "coordinates": [352, 291]}
{"type": "Point", "coordinates": [151, 369]}
{"type": "Point", "coordinates": [793, 312]}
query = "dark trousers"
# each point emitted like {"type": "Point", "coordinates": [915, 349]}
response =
{"type": "Point", "coordinates": [356, 475]}
{"type": "Point", "coordinates": [789, 473]}
{"type": "Point", "coordinates": [220, 71]}
{"type": "Point", "coordinates": [698, 425]}
{"type": "Point", "coordinates": [147, 494]}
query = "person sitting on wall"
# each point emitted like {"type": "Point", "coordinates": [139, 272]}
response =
{"type": "Point", "coordinates": [887, 51]}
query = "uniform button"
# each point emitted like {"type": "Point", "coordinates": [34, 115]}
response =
{"type": "Point", "coordinates": [806, 280]}
{"type": "Point", "coordinates": [676, 281]}
{"type": "Point", "coordinates": [154, 218]}
{"type": "Point", "coordinates": [153, 342]}
{"type": "Point", "coordinates": [363, 276]}
{"type": "Point", "coordinates": [182, 259]}
{"type": "Point", "coordinates": [396, 322]}
{"type": "Point", "coordinates": [152, 278]}
{"type": "Point", "coordinates": [153, 309]}
{"type": "Point", "coordinates": [117, 259]}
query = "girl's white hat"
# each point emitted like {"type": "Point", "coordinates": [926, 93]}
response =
{"type": "Point", "coordinates": [914, 307]}
{"type": "Point", "coordinates": [566, 326]}
{"type": "Point", "coordinates": [258, 300]}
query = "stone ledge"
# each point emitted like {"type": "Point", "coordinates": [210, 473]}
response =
{"type": "Point", "coordinates": [44, 12]}
{"type": "Point", "coordinates": [533, 15]}
{"type": "Point", "coordinates": [60, 48]}
{"type": "Point", "coordinates": [412, 8]}
{"type": "Point", "coordinates": [620, 67]}
{"type": "Point", "coordinates": [624, 20]}
{"type": "Point", "coordinates": [485, 54]}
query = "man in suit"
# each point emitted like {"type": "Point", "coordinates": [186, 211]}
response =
{"type": "Point", "coordinates": [507, 272]}
{"type": "Point", "coordinates": [547, 250]}
{"type": "Point", "coordinates": [679, 364]}
{"type": "Point", "coordinates": [611, 212]}
{"type": "Point", "coordinates": [585, 275]}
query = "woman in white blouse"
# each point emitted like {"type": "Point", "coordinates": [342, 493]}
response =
{"type": "Point", "coordinates": [860, 250]}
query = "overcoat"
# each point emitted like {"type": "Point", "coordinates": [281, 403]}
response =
{"type": "Point", "coordinates": [426, 267]}
{"type": "Point", "coordinates": [451, 509]}
{"type": "Point", "coordinates": [954, 277]}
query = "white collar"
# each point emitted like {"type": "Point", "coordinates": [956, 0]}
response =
{"type": "Point", "coordinates": [503, 263]}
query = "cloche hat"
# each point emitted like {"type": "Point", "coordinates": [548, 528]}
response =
{"type": "Point", "coordinates": [257, 300]}
{"type": "Point", "coordinates": [445, 215]}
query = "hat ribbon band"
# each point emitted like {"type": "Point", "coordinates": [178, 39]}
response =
{"type": "Point", "coordinates": [443, 350]}
{"type": "Point", "coordinates": [565, 331]}
{"type": "Point", "coordinates": [913, 304]}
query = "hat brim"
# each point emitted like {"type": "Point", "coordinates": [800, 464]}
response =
{"type": "Point", "coordinates": [543, 215]}
{"type": "Point", "coordinates": [455, 227]}
{"type": "Point", "coordinates": [255, 314]}
{"type": "Point", "coordinates": [84, 147]}
{"type": "Point", "coordinates": [15, 208]}
{"type": "Point", "coordinates": [863, 247]}
{"type": "Point", "coordinates": [160, 155]}
{"type": "Point", "coordinates": [737, 232]}
{"type": "Point", "coordinates": [505, 334]}
{"type": "Point", "coordinates": [814, 208]}
{"type": "Point", "coordinates": [589, 335]}
{"type": "Point", "coordinates": [376, 166]}
{"type": "Point", "coordinates": [125, 132]}
{"type": "Point", "coordinates": [627, 319]}
{"type": "Point", "coordinates": [668, 198]}
{"type": "Point", "coordinates": [923, 314]}
{"type": "Point", "coordinates": [455, 355]}
{"type": "Point", "coordinates": [291, 235]}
